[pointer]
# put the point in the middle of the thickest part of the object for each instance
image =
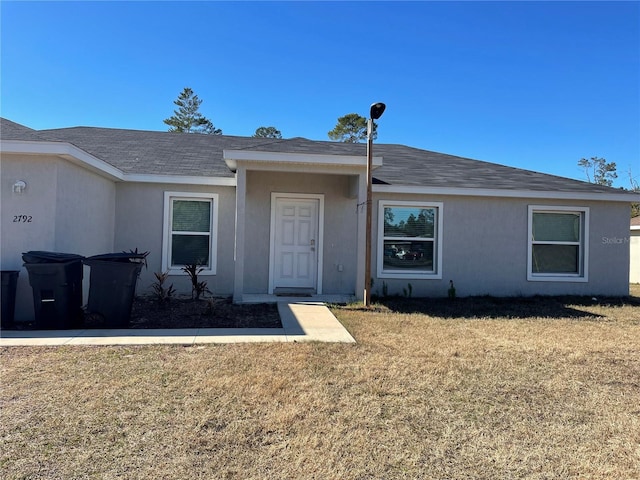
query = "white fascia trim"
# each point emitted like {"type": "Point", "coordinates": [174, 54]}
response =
{"type": "Point", "coordinates": [625, 197]}
{"type": "Point", "coordinates": [232, 157]}
{"type": "Point", "coordinates": [180, 180]}
{"type": "Point", "coordinates": [71, 152]}
{"type": "Point", "coordinates": [635, 227]}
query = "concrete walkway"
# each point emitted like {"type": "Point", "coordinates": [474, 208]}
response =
{"type": "Point", "coordinates": [301, 322]}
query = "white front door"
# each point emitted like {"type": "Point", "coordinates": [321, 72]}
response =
{"type": "Point", "coordinates": [295, 243]}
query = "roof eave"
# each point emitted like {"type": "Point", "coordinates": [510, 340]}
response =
{"type": "Point", "coordinates": [625, 197]}
{"type": "Point", "coordinates": [181, 179]}
{"type": "Point", "coordinates": [233, 157]}
{"type": "Point", "coordinates": [63, 149]}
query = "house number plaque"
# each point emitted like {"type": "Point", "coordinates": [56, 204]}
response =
{"type": "Point", "coordinates": [22, 219]}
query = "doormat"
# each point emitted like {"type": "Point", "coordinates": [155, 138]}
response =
{"type": "Point", "coordinates": [293, 292]}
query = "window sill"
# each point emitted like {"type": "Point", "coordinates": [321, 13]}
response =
{"type": "Point", "coordinates": [410, 276]}
{"type": "Point", "coordinates": [179, 272]}
{"type": "Point", "coordinates": [557, 278]}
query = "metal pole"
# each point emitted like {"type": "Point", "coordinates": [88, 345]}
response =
{"type": "Point", "coordinates": [367, 250]}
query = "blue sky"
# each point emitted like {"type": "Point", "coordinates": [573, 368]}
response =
{"type": "Point", "coordinates": [534, 85]}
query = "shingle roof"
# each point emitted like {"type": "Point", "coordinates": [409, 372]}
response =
{"type": "Point", "coordinates": [410, 166]}
{"type": "Point", "coordinates": [14, 131]}
{"type": "Point", "coordinates": [153, 152]}
{"type": "Point", "coordinates": [148, 152]}
{"type": "Point", "coordinates": [635, 221]}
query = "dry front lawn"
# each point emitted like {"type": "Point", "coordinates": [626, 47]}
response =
{"type": "Point", "coordinates": [506, 392]}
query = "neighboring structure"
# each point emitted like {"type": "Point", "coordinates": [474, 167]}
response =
{"type": "Point", "coordinates": [634, 250]}
{"type": "Point", "coordinates": [271, 215]}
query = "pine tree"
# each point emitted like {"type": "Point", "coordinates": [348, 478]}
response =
{"type": "Point", "coordinates": [267, 132]}
{"type": "Point", "coordinates": [598, 170]}
{"type": "Point", "coordinates": [352, 128]}
{"type": "Point", "coordinates": [187, 118]}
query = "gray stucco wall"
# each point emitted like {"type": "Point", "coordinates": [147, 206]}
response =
{"type": "Point", "coordinates": [85, 211]}
{"type": "Point", "coordinates": [340, 218]}
{"type": "Point", "coordinates": [70, 209]}
{"type": "Point", "coordinates": [485, 249]}
{"type": "Point", "coordinates": [139, 219]}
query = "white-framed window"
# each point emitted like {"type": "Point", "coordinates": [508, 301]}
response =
{"type": "Point", "coordinates": [558, 244]}
{"type": "Point", "coordinates": [189, 231]}
{"type": "Point", "coordinates": [409, 239]}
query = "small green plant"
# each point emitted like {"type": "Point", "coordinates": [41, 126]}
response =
{"type": "Point", "coordinates": [163, 294]}
{"type": "Point", "coordinates": [451, 293]}
{"type": "Point", "coordinates": [385, 290]}
{"type": "Point", "coordinates": [410, 287]}
{"type": "Point", "coordinates": [197, 287]}
{"type": "Point", "coordinates": [407, 292]}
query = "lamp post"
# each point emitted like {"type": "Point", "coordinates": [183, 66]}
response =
{"type": "Point", "coordinates": [376, 111]}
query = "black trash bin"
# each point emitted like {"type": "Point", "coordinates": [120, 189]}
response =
{"type": "Point", "coordinates": [9, 284]}
{"type": "Point", "coordinates": [112, 287]}
{"type": "Point", "coordinates": [56, 280]}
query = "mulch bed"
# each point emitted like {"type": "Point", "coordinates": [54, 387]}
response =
{"type": "Point", "coordinates": [147, 312]}
{"type": "Point", "coordinates": [503, 307]}
{"type": "Point", "coordinates": [207, 313]}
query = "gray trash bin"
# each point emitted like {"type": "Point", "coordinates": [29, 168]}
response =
{"type": "Point", "coordinates": [112, 287]}
{"type": "Point", "coordinates": [56, 280]}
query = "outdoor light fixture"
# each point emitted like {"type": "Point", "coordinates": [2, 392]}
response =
{"type": "Point", "coordinates": [19, 186]}
{"type": "Point", "coordinates": [376, 111]}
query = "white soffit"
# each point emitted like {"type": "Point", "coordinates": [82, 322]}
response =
{"type": "Point", "coordinates": [232, 157]}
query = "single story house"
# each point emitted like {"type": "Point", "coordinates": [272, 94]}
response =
{"type": "Point", "coordinates": [634, 250]}
{"type": "Point", "coordinates": [266, 215]}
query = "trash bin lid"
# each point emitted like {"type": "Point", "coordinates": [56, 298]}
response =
{"type": "Point", "coordinates": [118, 257]}
{"type": "Point", "coordinates": [36, 256]}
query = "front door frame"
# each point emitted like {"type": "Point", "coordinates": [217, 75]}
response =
{"type": "Point", "coordinates": [319, 241]}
